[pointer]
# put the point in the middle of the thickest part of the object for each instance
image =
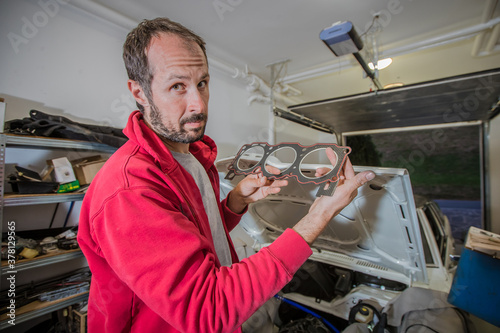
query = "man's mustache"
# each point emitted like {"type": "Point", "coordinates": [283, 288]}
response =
{"type": "Point", "coordinates": [194, 118]}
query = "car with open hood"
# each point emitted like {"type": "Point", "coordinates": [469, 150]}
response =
{"type": "Point", "coordinates": [382, 243]}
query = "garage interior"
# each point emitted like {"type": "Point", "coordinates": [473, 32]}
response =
{"type": "Point", "coordinates": [432, 111]}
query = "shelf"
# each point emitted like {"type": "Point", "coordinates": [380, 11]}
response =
{"type": "Point", "coordinates": [11, 199]}
{"type": "Point", "coordinates": [38, 308]}
{"type": "Point", "coordinates": [43, 260]}
{"type": "Point", "coordinates": [42, 142]}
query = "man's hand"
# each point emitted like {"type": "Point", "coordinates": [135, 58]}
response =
{"type": "Point", "coordinates": [253, 188]}
{"type": "Point", "coordinates": [320, 172]}
{"type": "Point", "coordinates": [325, 208]}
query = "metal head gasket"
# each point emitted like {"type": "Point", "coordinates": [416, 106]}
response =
{"type": "Point", "coordinates": [254, 157]}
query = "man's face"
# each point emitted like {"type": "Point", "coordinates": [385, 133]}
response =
{"type": "Point", "coordinates": [179, 106]}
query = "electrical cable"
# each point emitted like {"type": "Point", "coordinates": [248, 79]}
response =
{"type": "Point", "coordinates": [53, 215]}
{"type": "Point", "coordinates": [371, 25]}
{"type": "Point", "coordinates": [300, 307]}
{"type": "Point", "coordinates": [68, 214]}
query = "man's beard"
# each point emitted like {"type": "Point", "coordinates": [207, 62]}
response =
{"type": "Point", "coordinates": [181, 135]}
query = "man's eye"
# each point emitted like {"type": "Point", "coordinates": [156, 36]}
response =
{"type": "Point", "coordinates": [202, 84]}
{"type": "Point", "coordinates": [176, 87]}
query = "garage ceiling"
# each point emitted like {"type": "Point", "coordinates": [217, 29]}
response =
{"type": "Point", "coordinates": [427, 39]}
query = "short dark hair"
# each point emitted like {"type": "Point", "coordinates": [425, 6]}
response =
{"type": "Point", "coordinates": [137, 42]}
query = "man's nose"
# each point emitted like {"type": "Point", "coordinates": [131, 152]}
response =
{"type": "Point", "coordinates": [196, 101]}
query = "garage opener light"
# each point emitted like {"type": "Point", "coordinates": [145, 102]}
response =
{"type": "Point", "coordinates": [341, 38]}
{"type": "Point", "coordinates": [381, 64]}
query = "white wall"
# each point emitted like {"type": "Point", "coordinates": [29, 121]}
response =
{"type": "Point", "coordinates": [66, 61]}
{"type": "Point", "coordinates": [70, 63]}
{"type": "Point", "coordinates": [63, 61]}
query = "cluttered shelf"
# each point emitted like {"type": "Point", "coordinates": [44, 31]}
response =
{"type": "Point", "coordinates": [37, 141]}
{"type": "Point", "coordinates": [39, 308]}
{"type": "Point", "coordinates": [57, 256]}
{"type": "Point", "coordinates": [57, 182]}
{"type": "Point", "coordinates": [38, 170]}
{"type": "Point", "coordinates": [24, 302]}
{"type": "Point", "coordinates": [15, 199]}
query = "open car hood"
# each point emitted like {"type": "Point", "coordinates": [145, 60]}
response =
{"type": "Point", "coordinates": [378, 233]}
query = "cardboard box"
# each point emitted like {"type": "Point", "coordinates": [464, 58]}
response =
{"type": "Point", "coordinates": [86, 168]}
{"type": "Point", "coordinates": [63, 171]}
{"type": "Point", "coordinates": [475, 287]}
{"type": "Point", "coordinates": [80, 322]}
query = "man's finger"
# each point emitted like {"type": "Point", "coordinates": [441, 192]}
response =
{"type": "Point", "coordinates": [348, 169]}
{"type": "Point", "coordinates": [272, 170]}
{"type": "Point", "coordinates": [253, 181]}
{"type": "Point", "coordinates": [332, 156]}
{"type": "Point", "coordinates": [272, 190]}
{"type": "Point", "coordinates": [322, 171]}
{"type": "Point", "coordinates": [279, 183]}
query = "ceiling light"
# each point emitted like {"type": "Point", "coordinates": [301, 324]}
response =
{"type": "Point", "coordinates": [381, 64]}
{"type": "Point", "coordinates": [393, 85]}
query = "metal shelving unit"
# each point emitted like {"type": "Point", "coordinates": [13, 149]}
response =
{"type": "Point", "coordinates": [10, 200]}
{"type": "Point", "coordinates": [44, 261]}
{"type": "Point", "coordinates": [48, 308]}
{"type": "Point", "coordinates": [42, 142]}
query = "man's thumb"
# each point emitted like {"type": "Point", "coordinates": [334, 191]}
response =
{"type": "Point", "coordinates": [363, 178]}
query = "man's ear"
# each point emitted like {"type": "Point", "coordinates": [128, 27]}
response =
{"type": "Point", "coordinates": [138, 93]}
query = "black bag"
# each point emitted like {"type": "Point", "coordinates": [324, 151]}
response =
{"type": "Point", "coordinates": [43, 124]}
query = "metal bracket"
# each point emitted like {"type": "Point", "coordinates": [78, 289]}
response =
{"type": "Point", "coordinates": [246, 163]}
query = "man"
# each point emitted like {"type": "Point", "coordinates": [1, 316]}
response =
{"type": "Point", "coordinates": [152, 227]}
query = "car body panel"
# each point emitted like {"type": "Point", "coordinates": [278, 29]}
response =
{"type": "Point", "coordinates": [381, 234]}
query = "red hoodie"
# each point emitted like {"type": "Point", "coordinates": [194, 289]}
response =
{"type": "Point", "coordinates": [147, 239]}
